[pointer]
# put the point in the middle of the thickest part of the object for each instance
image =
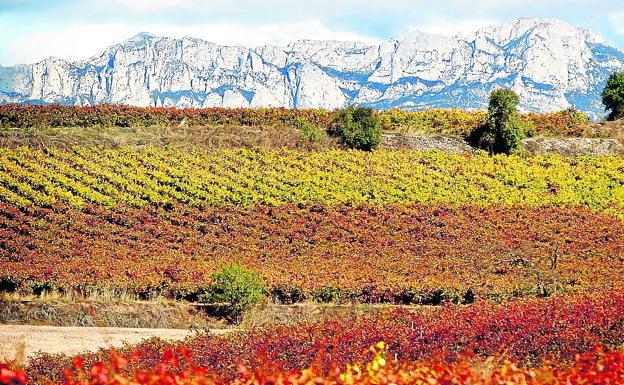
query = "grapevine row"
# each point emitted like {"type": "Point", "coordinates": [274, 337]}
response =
{"type": "Point", "coordinates": [434, 121]}
{"type": "Point", "coordinates": [251, 177]}
{"type": "Point", "coordinates": [404, 254]}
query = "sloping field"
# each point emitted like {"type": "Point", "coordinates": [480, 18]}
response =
{"type": "Point", "coordinates": [387, 226]}
{"type": "Point", "coordinates": [262, 177]}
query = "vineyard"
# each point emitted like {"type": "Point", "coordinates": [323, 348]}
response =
{"type": "Point", "coordinates": [596, 367]}
{"type": "Point", "coordinates": [452, 122]}
{"type": "Point", "coordinates": [137, 178]}
{"type": "Point", "coordinates": [400, 227]}
{"type": "Point", "coordinates": [404, 254]}
{"type": "Point", "coordinates": [470, 268]}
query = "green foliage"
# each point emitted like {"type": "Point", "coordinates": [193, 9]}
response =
{"type": "Point", "coordinates": [328, 294]}
{"type": "Point", "coordinates": [503, 130]}
{"type": "Point", "coordinates": [312, 133]}
{"type": "Point", "coordinates": [236, 289]}
{"type": "Point", "coordinates": [358, 127]}
{"type": "Point", "coordinates": [613, 96]}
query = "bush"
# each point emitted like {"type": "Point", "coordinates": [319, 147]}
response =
{"type": "Point", "coordinates": [328, 294]}
{"type": "Point", "coordinates": [613, 96]}
{"type": "Point", "coordinates": [235, 289]}
{"type": "Point", "coordinates": [358, 127]}
{"type": "Point", "coordinates": [503, 129]}
{"type": "Point", "coordinates": [312, 133]}
{"type": "Point", "coordinates": [568, 122]}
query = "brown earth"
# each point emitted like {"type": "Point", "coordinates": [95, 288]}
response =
{"type": "Point", "coordinates": [18, 342]}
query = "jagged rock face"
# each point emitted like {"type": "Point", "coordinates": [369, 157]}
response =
{"type": "Point", "coordinates": [551, 64]}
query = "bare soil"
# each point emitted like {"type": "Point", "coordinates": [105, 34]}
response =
{"type": "Point", "coordinates": [18, 342]}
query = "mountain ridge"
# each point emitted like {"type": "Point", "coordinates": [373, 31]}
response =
{"type": "Point", "coordinates": [550, 63]}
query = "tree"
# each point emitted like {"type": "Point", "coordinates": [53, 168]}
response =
{"type": "Point", "coordinates": [613, 96]}
{"type": "Point", "coordinates": [503, 130]}
{"type": "Point", "coordinates": [358, 127]}
{"type": "Point", "coordinates": [235, 289]}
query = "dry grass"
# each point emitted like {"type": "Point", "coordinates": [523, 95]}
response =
{"type": "Point", "coordinates": [210, 137]}
{"type": "Point", "coordinates": [611, 130]}
{"type": "Point", "coordinates": [56, 296]}
{"type": "Point", "coordinates": [107, 310]}
{"type": "Point", "coordinates": [102, 310]}
{"type": "Point", "coordinates": [270, 314]}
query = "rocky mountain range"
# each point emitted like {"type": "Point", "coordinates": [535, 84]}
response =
{"type": "Point", "coordinates": [550, 63]}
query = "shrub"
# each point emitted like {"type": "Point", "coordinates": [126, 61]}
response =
{"type": "Point", "coordinates": [503, 130]}
{"type": "Point", "coordinates": [235, 289]}
{"type": "Point", "coordinates": [613, 96]}
{"type": "Point", "coordinates": [328, 294]}
{"type": "Point", "coordinates": [312, 133]}
{"type": "Point", "coordinates": [358, 127]}
{"type": "Point", "coordinates": [568, 122]}
{"type": "Point", "coordinates": [447, 122]}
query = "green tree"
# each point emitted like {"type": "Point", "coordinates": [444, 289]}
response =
{"type": "Point", "coordinates": [503, 130]}
{"type": "Point", "coordinates": [358, 127]}
{"type": "Point", "coordinates": [613, 96]}
{"type": "Point", "coordinates": [235, 289]}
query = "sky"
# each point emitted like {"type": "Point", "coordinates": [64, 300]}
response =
{"type": "Point", "coordinates": [31, 30]}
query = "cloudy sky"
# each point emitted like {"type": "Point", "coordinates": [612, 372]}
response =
{"type": "Point", "coordinates": [31, 30]}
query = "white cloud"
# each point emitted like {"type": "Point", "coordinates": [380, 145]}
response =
{"type": "Point", "coordinates": [81, 41]}
{"type": "Point", "coordinates": [149, 5]}
{"type": "Point", "coordinates": [31, 31]}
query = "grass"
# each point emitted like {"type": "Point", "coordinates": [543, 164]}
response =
{"type": "Point", "coordinates": [121, 310]}
{"type": "Point", "coordinates": [223, 136]}
{"type": "Point", "coordinates": [102, 310]}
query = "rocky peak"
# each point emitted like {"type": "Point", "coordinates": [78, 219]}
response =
{"type": "Point", "coordinates": [549, 62]}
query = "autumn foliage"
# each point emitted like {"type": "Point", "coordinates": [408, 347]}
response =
{"type": "Point", "coordinates": [403, 254]}
{"type": "Point", "coordinates": [599, 366]}
{"type": "Point", "coordinates": [243, 177]}
{"type": "Point", "coordinates": [523, 258]}
{"type": "Point", "coordinates": [435, 121]}
{"type": "Point", "coordinates": [528, 332]}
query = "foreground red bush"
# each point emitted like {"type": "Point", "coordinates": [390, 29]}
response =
{"type": "Point", "coordinates": [526, 332]}
{"type": "Point", "coordinates": [596, 367]}
{"type": "Point", "coordinates": [11, 376]}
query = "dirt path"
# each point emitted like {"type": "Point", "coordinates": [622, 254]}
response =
{"type": "Point", "coordinates": [73, 340]}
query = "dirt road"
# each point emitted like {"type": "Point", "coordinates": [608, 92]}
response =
{"type": "Point", "coordinates": [73, 340]}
